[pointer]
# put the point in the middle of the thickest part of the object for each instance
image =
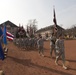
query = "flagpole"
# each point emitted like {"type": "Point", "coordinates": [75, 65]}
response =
{"type": "Point", "coordinates": [55, 21]}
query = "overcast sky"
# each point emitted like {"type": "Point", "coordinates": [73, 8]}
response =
{"type": "Point", "coordinates": [21, 11]}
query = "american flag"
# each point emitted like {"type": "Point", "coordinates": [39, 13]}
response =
{"type": "Point", "coordinates": [7, 35]}
{"type": "Point", "coordinates": [10, 36]}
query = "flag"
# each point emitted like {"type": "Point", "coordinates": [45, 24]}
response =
{"type": "Point", "coordinates": [4, 36]}
{"type": "Point", "coordinates": [1, 49]}
{"type": "Point", "coordinates": [1, 32]}
{"type": "Point", "coordinates": [1, 52]}
{"type": "Point", "coordinates": [7, 35]}
{"type": "Point", "coordinates": [10, 36]}
{"type": "Point", "coordinates": [55, 21]}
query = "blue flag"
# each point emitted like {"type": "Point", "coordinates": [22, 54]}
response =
{"type": "Point", "coordinates": [4, 36]}
{"type": "Point", "coordinates": [1, 32]}
{"type": "Point", "coordinates": [1, 49]}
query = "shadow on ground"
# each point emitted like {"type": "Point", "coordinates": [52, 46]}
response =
{"type": "Point", "coordinates": [27, 62]}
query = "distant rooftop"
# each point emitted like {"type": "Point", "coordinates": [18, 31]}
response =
{"type": "Point", "coordinates": [49, 28]}
{"type": "Point", "coordinates": [8, 22]}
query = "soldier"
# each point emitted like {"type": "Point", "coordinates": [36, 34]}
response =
{"type": "Point", "coordinates": [60, 51]}
{"type": "Point", "coordinates": [52, 44]}
{"type": "Point", "coordinates": [40, 43]}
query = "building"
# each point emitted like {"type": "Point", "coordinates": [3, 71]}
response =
{"type": "Point", "coordinates": [47, 31]}
{"type": "Point", "coordinates": [11, 27]}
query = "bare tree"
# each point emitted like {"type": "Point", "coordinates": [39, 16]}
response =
{"type": "Point", "coordinates": [32, 26]}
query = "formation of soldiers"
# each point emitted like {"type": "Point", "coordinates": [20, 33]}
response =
{"type": "Point", "coordinates": [26, 43]}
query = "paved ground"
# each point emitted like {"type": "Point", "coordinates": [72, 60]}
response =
{"type": "Point", "coordinates": [23, 62]}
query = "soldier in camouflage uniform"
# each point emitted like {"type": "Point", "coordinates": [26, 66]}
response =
{"type": "Point", "coordinates": [52, 44]}
{"type": "Point", "coordinates": [60, 50]}
{"type": "Point", "coordinates": [40, 44]}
